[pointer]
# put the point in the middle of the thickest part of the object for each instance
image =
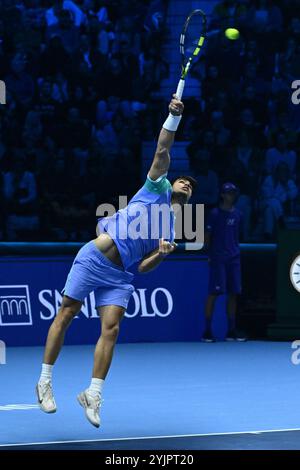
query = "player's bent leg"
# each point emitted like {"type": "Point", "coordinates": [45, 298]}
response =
{"type": "Point", "coordinates": [90, 399]}
{"type": "Point", "coordinates": [68, 310]}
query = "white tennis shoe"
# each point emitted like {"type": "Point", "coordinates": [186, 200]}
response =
{"type": "Point", "coordinates": [91, 405]}
{"type": "Point", "coordinates": [45, 396]}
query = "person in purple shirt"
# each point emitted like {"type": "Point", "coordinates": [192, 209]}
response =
{"type": "Point", "coordinates": [222, 241]}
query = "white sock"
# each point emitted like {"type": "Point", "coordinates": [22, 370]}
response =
{"type": "Point", "coordinates": [46, 373]}
{"type": "Point", "coordinates": [96, 386]}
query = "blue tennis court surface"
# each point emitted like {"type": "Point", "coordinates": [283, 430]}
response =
{"type": "Point", "coordinates": [160, 396]}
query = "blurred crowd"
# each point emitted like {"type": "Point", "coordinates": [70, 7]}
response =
{"type": "Point", "coordinates": [81, 78]}
{"type": "Point", "coordinates": [245, 128]}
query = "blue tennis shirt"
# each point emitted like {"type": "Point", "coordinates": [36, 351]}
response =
{"type": "Point", "coordinates": [137, 228]}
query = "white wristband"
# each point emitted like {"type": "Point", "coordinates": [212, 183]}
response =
{"type": "Point", "coordinates": [172, 123]}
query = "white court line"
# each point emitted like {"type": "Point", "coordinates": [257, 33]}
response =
{"type": "Point", "coordinates": [264, 431]}
{"type": "Point", "coordinates": [18, 406]}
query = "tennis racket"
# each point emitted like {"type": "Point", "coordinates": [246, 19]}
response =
{"type": "Point", "coordinates": [191, 42]}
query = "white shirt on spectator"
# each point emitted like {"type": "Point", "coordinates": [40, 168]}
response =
{"type": "Point", "coordinates": [270, 190]}
{"type": "Point", "coordinates": [103, 42]}
{"type": "Point", "coordinates": [102, 15]}
{"type": "Point", "coordinates": [27, 182]}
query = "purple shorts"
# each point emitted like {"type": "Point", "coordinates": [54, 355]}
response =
{"type": "Point", "coordinates": [92, 271]}
{"type": "Point", "coordinates": [225, 276]}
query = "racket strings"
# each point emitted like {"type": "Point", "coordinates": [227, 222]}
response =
{"type": "Point", "coordinates": [192, 40]}
{"type": "Point", "coordinates": [192, 37]}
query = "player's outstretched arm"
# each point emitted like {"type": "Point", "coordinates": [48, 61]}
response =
{"type": "Point", "coordinates": [161, 161]}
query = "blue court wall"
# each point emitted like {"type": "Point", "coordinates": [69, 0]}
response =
{"type": "Point", "coordinates": [167, 304]}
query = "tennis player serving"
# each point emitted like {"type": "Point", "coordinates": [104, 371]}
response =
{"type": "Point", "coordinates": [101, 266]}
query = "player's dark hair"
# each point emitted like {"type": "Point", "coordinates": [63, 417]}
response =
{"type": "Point", "coordinates": [188, 178]}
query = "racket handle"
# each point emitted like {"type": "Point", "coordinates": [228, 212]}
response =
{"type": "Point", "coordinates": [180, 89]}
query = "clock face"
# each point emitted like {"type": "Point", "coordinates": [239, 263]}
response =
{"type": "Point", "coordinates": [295, 273]}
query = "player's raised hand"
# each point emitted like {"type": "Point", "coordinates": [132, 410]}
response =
{"type": "Point", "coordinates": [176, 106]}
{"type": "Point", "coordinates": [165, 248]}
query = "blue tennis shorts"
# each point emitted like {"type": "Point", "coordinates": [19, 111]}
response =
{"type": "Point", "coordinates": [225, 276]}
{"type": "Point", "coordinates": [92, 271]}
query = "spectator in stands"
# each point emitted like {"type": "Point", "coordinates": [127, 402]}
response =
{"type": "Point", "coordinates": [54, 58]}
{"type": "Point", "coordinates": [221, 134]}
{"type": "Point", "coordinates": [250, 77]}
{"type": "Point", "coordinates": [207, 190]}
{"type": "Point", "coordinates": [52, 15]}
{"type": "Point", "coordinates": [154, 21]}
{"type": "Point", "coordinates": [258, 107]}
{"type": "Point", "coordinates": [18, 81]}
{"type": "Point", "coordinates": [115, 82]}
{"type": "Point", "coordinates": [252, 128]}
{"type": "Point", "coordinates": [244, 150]}
{"type": "Point", "coordinates": [240, 176]}
{"type": "Point", "coordinates": [265, 16]}
{"type": "Point", "coordinates": [227, 12]}
{"type": "Point", "coordinates": [213, 82]}
{"type": "Point", "coordinates": [67, 30]}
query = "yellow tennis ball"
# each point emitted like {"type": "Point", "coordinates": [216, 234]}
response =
{"type": "Point", "coordinates": [232, 34]}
